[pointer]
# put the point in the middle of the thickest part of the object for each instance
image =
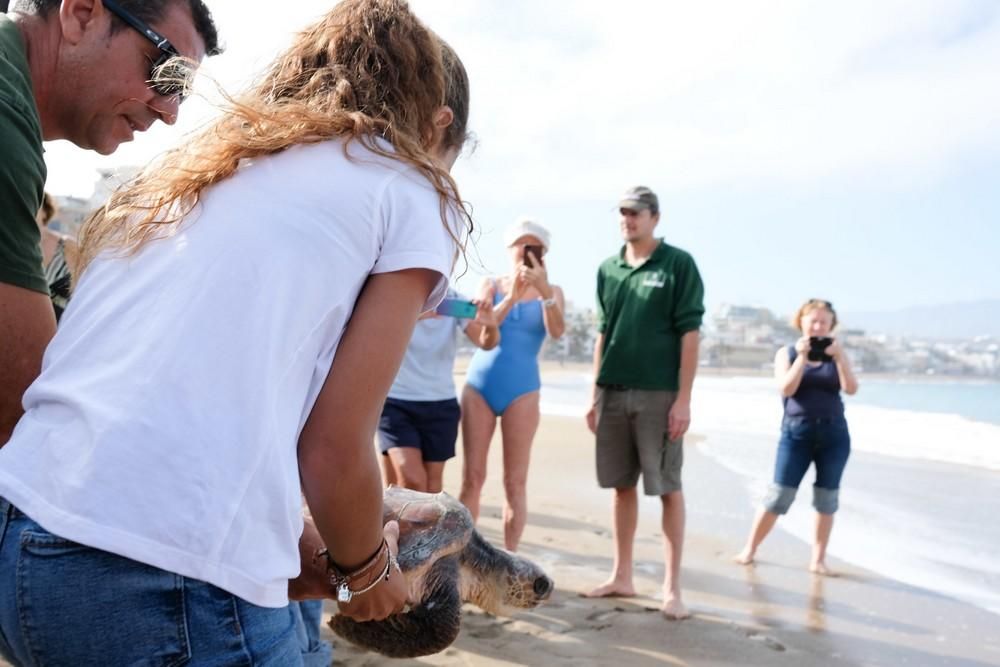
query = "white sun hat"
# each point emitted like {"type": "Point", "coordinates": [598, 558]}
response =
{"type": "Point", "coordinates": [526, 227]}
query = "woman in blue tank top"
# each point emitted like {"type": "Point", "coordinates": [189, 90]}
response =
{"type": "Point", "coordinates": [811, 374]}
{"type": "Point", "coordinates": [504, 382]}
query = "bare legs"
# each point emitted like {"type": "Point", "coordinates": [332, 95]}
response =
{"type": "Point", "coordinates": [388, 472]}
{"type": "Point", "coordinates": [518, 426]}
{"type": "Point", "coordinates": [824, 524]}
{"type": "Point", "coordinates": [405, 466]}
{"type": "Point", "coordinates": [762, 525]}
{"type": "Point", "coordinates": [478, 424]}
{"type": "Point", "coordinates": [408, 467]}
{"type": "Point", "coordinates": [673, 546]}
{"type": "Point", "coordinates": [626, 518]}
{"type": "Point", "coordinates": [765, 521]}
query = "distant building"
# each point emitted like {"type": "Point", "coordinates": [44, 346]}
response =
{"type": "Point", "coordinates": [74, 210]}
{"type": "Point", "coordinates": [70, 214]}
{"type": "Point", "coordinates": [743, 337]}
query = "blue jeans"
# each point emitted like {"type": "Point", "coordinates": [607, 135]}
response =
{"type": "Point", "coordinates": [315, 651]}
{"type": "Point", "coordinates": [824, 442]}
{"type": "Point", "coordinates": [62, 603]}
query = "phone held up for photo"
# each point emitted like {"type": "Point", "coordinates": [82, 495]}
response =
{"type": "Point", "coordinates": [817, 348]}
{"type": "Point", "coordinates": [457, 308]}
{"type": "Point", "coordinates": [535, 250]}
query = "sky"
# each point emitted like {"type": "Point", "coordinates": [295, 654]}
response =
{"type": "Point", "coordinates": [847, 151]}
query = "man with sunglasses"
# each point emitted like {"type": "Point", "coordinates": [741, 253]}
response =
{"type": "Point", "coordinates": [94, 73]}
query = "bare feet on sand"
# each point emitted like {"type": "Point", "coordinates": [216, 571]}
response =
{"type": "Point", "coordinates": [612, 589]}
{"type": "Point", "coordinates": [820, 568]}
{"type": "Point", "coordinates": [674, 610]}
{"type": "Point", "coordinates": [744, 557]}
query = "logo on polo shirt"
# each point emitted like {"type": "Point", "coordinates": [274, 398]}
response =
{"type": "Point", "coordinates": [656, 279]}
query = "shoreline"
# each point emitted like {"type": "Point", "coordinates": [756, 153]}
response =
{"type": "Point", "coordinates": [554, 365]}
{"type": "Point", "coordinates": [772, 614]}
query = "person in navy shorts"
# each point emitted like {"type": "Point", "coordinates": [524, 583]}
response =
{"type": "Point", "coordinates": [419, 423]}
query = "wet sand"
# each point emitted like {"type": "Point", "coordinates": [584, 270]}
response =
{"type": "Point", "coordinates": [772, 613]}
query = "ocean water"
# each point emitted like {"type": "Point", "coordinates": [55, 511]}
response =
{"type": "Point", "coordinates": [921, 493]}
{"type": "Point", "coordinates": [973, 400]}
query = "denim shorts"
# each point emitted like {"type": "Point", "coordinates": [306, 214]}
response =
{"type": "Point", "coordinates": [63, 603]}
{"type": "Point", "coordinates": [824, 442]}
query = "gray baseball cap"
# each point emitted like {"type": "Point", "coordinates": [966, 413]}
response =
{"type": "Point", "coordinates": [639, 198]}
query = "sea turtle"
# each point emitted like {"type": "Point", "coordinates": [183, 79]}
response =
{"type": "Point", "coordinates": [446, 562]}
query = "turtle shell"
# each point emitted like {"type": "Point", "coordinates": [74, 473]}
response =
{"type": "Point", "coordinates": [431, 526]}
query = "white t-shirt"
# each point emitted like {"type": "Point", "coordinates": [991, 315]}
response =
{"type": "Point", "coordinates": [427, 371]}
{"type": "Point", "coordinates": [165, 422]}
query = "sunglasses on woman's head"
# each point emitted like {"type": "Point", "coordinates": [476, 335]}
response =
{"type": "Point", "coordinates": [821, 302]}
{"type": "Point", "coordinates": [169, 74]}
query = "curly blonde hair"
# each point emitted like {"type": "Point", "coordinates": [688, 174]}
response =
{"type": "Point", "coordinates": [367, 69]}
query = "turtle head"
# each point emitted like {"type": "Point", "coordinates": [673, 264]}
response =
{"type": "Point", "coordinates": [499, 581]}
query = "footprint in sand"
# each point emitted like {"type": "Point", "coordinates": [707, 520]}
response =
{"type": "Point", "coordinates": [495, 628]}
{"type": "Point", "coordinates": [600, 615]}
{"type": "Point", "coordinates": [767, 640]}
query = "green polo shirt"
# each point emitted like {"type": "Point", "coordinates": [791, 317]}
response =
{"type": "Point", "coordinates": [643, 311]}
{"type": "Point", "coordinates": [22, 168]}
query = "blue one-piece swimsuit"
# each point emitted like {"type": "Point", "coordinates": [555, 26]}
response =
{"type": "Point", "coordinates": [510, 369]}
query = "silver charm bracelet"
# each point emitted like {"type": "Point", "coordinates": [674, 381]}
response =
{"type": "Point", "coordinates": [345, 594]}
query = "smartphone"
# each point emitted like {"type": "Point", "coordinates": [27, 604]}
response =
{"type": "Point", "coordinates": [535, 250]}
{"type": "Point", "coordinates": [817, 348]}
{"type": "Point", "coordinates": [457, 308]}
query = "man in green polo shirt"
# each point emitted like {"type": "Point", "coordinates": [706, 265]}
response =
{"type": "Point", "coordinates": [83, 71]}
{"type": "Point", "coordinates": [650, 305]}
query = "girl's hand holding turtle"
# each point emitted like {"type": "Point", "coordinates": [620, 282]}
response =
{"type": "Point", "coordinates": [389, 593]}
{"type": "Point", "coordinates": [313, 582]}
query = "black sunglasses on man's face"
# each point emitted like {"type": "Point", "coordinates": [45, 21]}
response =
{"type": "Point", "coordinates": [165, 81]}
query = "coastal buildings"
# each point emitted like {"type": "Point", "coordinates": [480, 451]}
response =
{"type": "Point", "coordinates": [735, 336]}
{"type": "Point", "coordinates": [746, 337]}
{"type": "Point", "coordinates": [72, 211]}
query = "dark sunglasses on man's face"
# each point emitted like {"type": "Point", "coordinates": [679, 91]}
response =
{"type": "Point", "coordinates": [166, 78]}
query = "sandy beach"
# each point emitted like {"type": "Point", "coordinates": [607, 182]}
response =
{"type": "Point", "coordinates": [774, 613]}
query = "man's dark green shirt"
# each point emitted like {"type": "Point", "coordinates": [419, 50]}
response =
{"type": "Point", "coordinates": [22, 167]}
{"type": "Point", "coordinates": [643, 311]}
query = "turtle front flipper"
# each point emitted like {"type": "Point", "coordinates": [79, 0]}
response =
{"type": "Point", "coordinates": [429, 627]}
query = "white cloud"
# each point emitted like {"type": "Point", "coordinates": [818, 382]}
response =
{"type": "Point", "coordinates": [709, 93]}
{"type": "Point", "coordinates": [575, 99]}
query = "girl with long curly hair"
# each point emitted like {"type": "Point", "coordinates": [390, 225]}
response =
{"type": "Point", "coordinates": [242, 308]}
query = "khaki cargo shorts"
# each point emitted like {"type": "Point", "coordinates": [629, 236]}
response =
{"type": "Point", "coordinates": [632, 438]}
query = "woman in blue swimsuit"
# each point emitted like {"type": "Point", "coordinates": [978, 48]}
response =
{"type": "Point", "coordinates": [504, 382]}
